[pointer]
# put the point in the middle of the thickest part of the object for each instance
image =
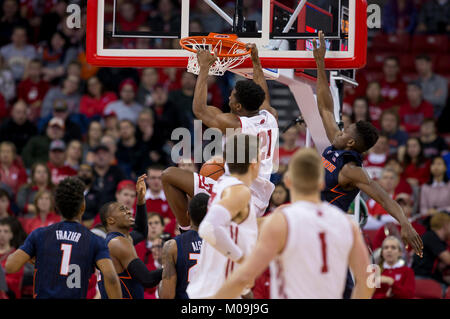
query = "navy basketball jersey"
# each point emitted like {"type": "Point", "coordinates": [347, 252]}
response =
{"type": "Point", "coordinates": [131, 288]}
{"type": "Point", "coordinates": [333, 161]}
{"type": "Point", "coordinates": [188, 245]}
{"type": "Point", "coordinates": [66, 253]}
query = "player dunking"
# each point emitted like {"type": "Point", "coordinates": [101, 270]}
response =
{"type": "Point", "coordinates": [309, 243]}
{"type": "Point", "coordinates": [251, 113]}
{"type": "Point", "coordinates": [118, 219]}
{"type": "Point", "coordinates": [344, 175]}
{"type": "Point", "coordinates": [66, 252]}
{"type": "Point", "coordinates": [229, 229]}
{"type": "Point", "coordinates": [180, 255]}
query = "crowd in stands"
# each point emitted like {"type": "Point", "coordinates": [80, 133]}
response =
{"type": "Point", "coordinates": [60, 116]}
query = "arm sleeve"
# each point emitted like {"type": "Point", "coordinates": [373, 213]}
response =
{"type": "Point", "coordinates": [146, 278]}
{"type": "Point", "coordinates": [214, 228]}
{"type": "Point", "coordinates": [140, 229]}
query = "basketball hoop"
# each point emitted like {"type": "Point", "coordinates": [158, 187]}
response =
{"type": "Point", "coordinates": [230, 52]}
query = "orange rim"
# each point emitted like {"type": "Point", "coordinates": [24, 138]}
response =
{"type": "Point", "coordinates": [213, 39]}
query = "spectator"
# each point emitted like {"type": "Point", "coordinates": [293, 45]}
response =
{"type": "Point", "coordinates": [17, 129]}
{"type": "Point", "coordinates": [145, 131]}
{"type": "Point", "coordinates": [93, 138]}
{"type": "Point", "coordinates": [18, 53]}
{"type": "Point", "coordinates": [9, 19]}
{"type": "Point", "coordinates": [128, 151]}
{"type": "Point", "coordinates": [390, 126]}
{"type": "Point", "coordinates": [167, 18]}
{"type": "Point", "coordinates": [41, 179]}
{"type": "Point", "coordinates": [376, 157]}
{"type": "Point", "coordinates": [45, 212]}
{"type": "Point", "coordinates": [397, 279]}
{"type": "Point", "coordinates": [130, 19]}
{"type": "Point", "coordinates": [416, 166]}
{"type": "Point", "coordinates": [378, 216]}
{"type": "Point", "coordinates": [376, 103]}
{"type": "Point", "coordinates": [73, 123]}
{"type": "Point", "coordinates": [74, 155]}
{"type": "Point", "coordinates": [209, 18]}
{"type": "Point", "coordinates": [287, 148]}
{"type": "Point", "coordinates": [111, 143]}
{"type": "Point", "coordinates": [393, 88]}
{"type": "Point", "coordinates": [433, 144]}
{"type": "Point", "coordinates": [434, 87]}
{"type": "Point", "coordinates": [94, 102]}
{"type": "Point", "coordinates": [155, 198]}
{"type": "Point", "coordinates": [183, 98]}
{"type": "Point", "coordinates": [279, 197]}
{"type": "Point", "coordinates": [68, 92]}
{"type": "Point", "coordinates": [436, 254]}
{"type": "Point", "coordinates": [399, 17]}
{"type": "Point", "coordinates": [56, 56]}
{"type": "Point", "coordinates": [91, 195]}
{"type": "Point", "coordinates": [4, 203]}
{"type": "Point", "coordinates": [7, 82]}
{"type": "Point", "coordinates": [360, 111]}
{"type": "Point", "coordinates": [12, 173]}
{"type": "Point", "coordinates": [149, 79]}
{"type": "Point", "coordinates": [106, 176]}
{"type": "Point", "coordinates": [58, 169]}
{"type": "Point", "coordinates": [415, 110]}
{"type": "Point", "coordinates": [126, 108]}
{"type": "Point", "coordinates": [434, 195]}
{"type": "Point", "coordinates": [33, 88]}
{"type": "Point", "coordinates": [394, 163]}
{"type": "Point", "coordinates": [111, 124]}
{"type": "Point", "coordinates": [11, 236]}
{"type": "Point", "coordinates": [434, 17]}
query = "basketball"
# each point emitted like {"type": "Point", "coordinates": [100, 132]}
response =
{"type": "Point", "coordinates": [213, 168]}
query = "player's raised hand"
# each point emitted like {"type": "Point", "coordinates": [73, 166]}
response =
{"type": "Point", "coordinates": [205, 58]}
{"type": "Point", "coordinates": [141, 189]}
{"type": "Point", "coordinates": [411, 237]}
{"type": "Point", "coordinates": [253, 51]}
{"type": "Point", "coordinates": [319, 52]}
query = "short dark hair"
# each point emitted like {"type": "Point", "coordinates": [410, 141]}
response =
{"type": "Point", "coordinates": [19, 234]}
{"type": "Point", "coordinates": [367, 136]}
{"type": "Point", "coordinates": [4, 193]}
{"type": "Point", "coordinates": [153, 214]}
{"type": "Point", "coordinates": [239, 161]}
{"type": "Point", "coordinates": [416, 84]}
{"type": "Point", "coordinates": [69, 197]}
{"type": "Point", "coordinates": [198, 207]}
{"type": "Point", "coordinates": [392, 57]}
{"type": "Point", "coordinates": [249, 94]}
{"type": "Point", "coordinates": [155, 167]}
{"type": "Point", "coordinates": [423, 56]}
{"type": "Point", "coordinates": [104, 213]}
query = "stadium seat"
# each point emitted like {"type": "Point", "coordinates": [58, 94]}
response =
{"type": "Point", "coordinates": [408, 62]}
{"type": "Point", "coordinates": [397, 43]}
{"type": "Point", "coordinates": [430, 43]}
{"type": "Point", "coordinates": [447, 293]}
{"type": "Point", "coordinates": [443, 64]}
{"type": "Point", "coordinates": [428, 289]}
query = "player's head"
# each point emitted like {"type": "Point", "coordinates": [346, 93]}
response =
{"type": "Point", "coordinates": [305, 173]}
{"type": "Point", "coordinates": [246, 97]}
{"type": "Point", "coordinates": [116, 216]}
{"type": "Point", "coordinates": [242, 154]}
{"type": "Point", "coordinates": [359, 136]}
{"type": "Point", "coordinates": [69, 198]}
{"type": "Point", "coordinates": [197, 208]}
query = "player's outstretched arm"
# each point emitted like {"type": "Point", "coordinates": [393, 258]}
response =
{"type": "Point", "coordinates": [112, 283]}
{"type": "Point", "coordinates": [270, 243]}
{"type": "Point", "coordinates": [215, 226]}
{"type": "Point", "coordinates": [258, 78]}
{"type": "Point", "coordinates": [16, 261]}
{"type": "Point", "coordinates": [168, 284]}
{"type": "Point", "coordinates": [358, 177]}
{"type": "Point", "coordinates": [140, 228]}
{"type": "Point", "coordinates": [358, 262]}
{"type": "Point", "coordinates": [123, 250]}
{"type": "Point", "coordinates": [211, 116]}
{"type": "Point", "coordinates": [324, 98]}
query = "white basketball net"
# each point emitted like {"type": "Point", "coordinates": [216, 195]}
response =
{"type": "Point", "coordinates": [222, 64]}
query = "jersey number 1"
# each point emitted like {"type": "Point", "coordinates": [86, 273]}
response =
{"type": "Point", "coordinates": [65, 259]}
{"type": "Point", "coordinates": [323, 244]}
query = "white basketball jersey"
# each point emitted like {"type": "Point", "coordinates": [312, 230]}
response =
{"type": "Point", "coordinates": [314, 262]}
{"type": "Point", "coordinates": [213, 267]}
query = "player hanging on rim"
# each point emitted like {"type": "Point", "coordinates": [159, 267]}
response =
{"type": "Point", "coordinates": [251, 113]}
{"type": "Point", "coordinates": [344, 175]}
{"type": "Point", "coordinates": [66, 252]}
{"type": "Point", "coordinates": [229, 229]}
{"type": "Point", "coordinates": [308, 243]}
